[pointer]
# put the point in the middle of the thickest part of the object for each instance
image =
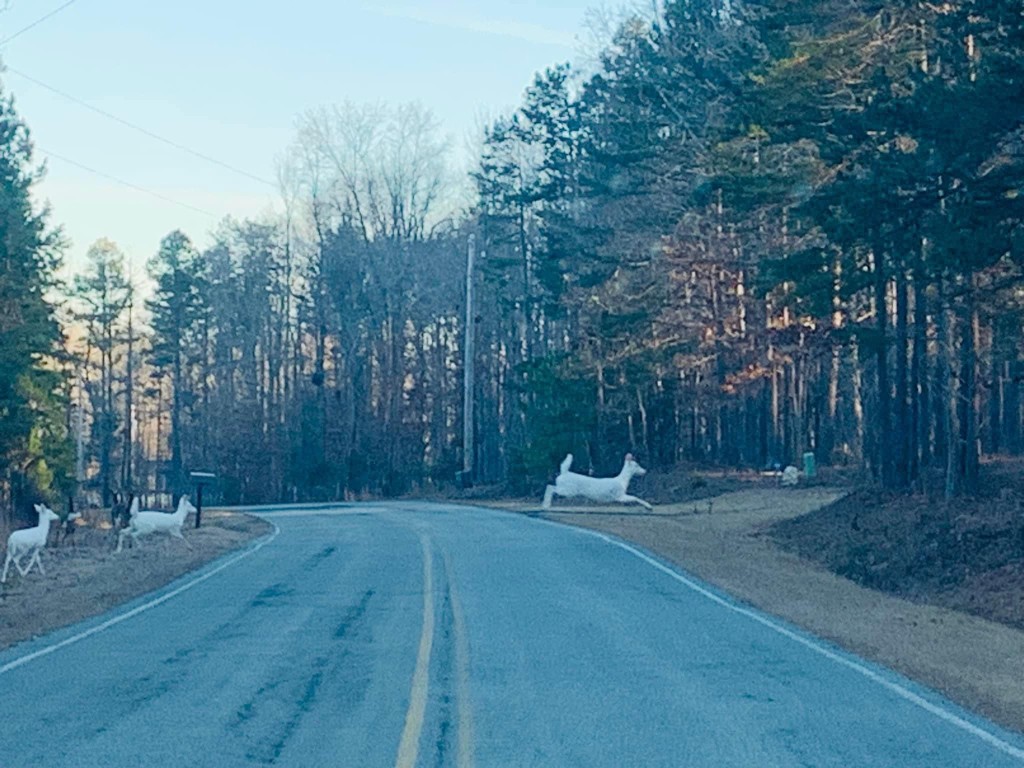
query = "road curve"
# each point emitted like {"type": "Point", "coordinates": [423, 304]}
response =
{"type": "Point", "coordinates": [424, 635]}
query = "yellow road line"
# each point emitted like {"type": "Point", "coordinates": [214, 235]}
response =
{"type": "Point", "coordinates": [408, 748]}
{"type": "Point", "coordinates": [463, 706]}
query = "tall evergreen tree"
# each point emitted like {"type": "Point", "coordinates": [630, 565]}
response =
{"type": "Point", "coordinates": [176, 308]}
{"type": "Point", "coordinates": [33, 439]}
{"type": "Point", "coordinates": [104, 294]}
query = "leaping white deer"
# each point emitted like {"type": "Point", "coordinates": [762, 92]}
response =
{"type": "Point", "coordinates": [596, 488]}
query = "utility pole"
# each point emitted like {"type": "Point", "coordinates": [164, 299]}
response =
{"type": "Point", "coordinates": [468, 372]}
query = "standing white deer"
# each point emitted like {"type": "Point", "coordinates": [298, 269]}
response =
{"type": "Point", "coordinates": [596, 488]}
{"type": "Point", "coordinates": [29, 541]}
{"type": "Point", "coordinates": [142, 523]}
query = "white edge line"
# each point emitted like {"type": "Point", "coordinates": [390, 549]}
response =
{"type": "Point", "coordinates": [140, 608]}
{"type": "Point", "coordinates": [899, 690]}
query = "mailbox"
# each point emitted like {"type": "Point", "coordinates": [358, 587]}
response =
{"type": "Point", "coordinates": [199, 479]}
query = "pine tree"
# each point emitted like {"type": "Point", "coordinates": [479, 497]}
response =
{"type": "Point", "coordinates": [104, 294]}
{"type": "Point", "coordinates": [34, 450]}
{"type": "Point", "coordinates": [176, 308]}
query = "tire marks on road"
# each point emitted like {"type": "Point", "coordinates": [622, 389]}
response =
{"type": "Point", "coordinates": [268, 720]}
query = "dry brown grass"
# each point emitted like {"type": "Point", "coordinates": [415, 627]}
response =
{"type": "Point", "coordinates": [84, 577]}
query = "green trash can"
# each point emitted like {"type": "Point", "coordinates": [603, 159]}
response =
{"type": "Point", "coordinates": [809, 468]}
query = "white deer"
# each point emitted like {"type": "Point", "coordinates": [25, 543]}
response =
{"type": "Point", "coordinates": [143, 523]}
{"type": "Point", "coordinates": [29, 541]}
{"type": "Point", "coordinates": [596, 488]}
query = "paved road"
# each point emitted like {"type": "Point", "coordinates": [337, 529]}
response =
{"type": "Point", "coordinates": [532, 645]}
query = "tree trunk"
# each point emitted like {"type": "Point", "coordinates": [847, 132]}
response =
{"type": "Point", "coordinates": [1011, 405]}
{"type": "Point", "coordinates": [902, 440]}
{"type": "Point", "coordinates": [883, 429]}
{"type": "Point", "coordinates": [129, 403]}
{"type": "Point", "coordinates": [971, 329]}
{"type": "Point", "coordinates": [176, 405]}
{"type": "Point", "coordinates": [857, 404]}
{"type": "Point", "coordinates": [997, 391]}
{"type": "Point", "coordinates": [920, 455]}
{"type": "Point", "coordinates": [949, 390]}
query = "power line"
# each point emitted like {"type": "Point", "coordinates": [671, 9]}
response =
{"type": "Point", "coordinates": [122, 121]}
{"type": "Point", "coordinates": [36, 23]}
{"type": "Point", "coordinates": [140, 129]}
{"type": "Point", "coordinates": [128, 184]}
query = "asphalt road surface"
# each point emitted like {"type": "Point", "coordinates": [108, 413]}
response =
{"type": "Point", "coordinates": [423, 635]}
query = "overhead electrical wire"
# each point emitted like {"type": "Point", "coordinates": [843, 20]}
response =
{"type": "Point", "coordinates": [140, 129]}
{"type": "Point", "coordinates": [122, 182]}
{"type": "Point", "coordinates": [110, 116]}
{"type": "Point", "coordinates": [36, 23]}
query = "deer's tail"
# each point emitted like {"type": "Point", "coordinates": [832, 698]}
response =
{"type": "Point", "coordinates": [566, 463]}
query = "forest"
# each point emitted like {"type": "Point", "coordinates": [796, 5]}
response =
{"type": "Point", "coordinates": [743, 232]}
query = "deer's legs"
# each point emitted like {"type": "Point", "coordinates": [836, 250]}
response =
{"type": "Point", "coordinates": [176, 533]}
{"type": "Point", "coordinates": [627, 499]}
{"type": "Point", "coordinates": [549, 494]}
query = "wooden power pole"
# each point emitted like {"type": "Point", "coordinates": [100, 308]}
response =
{"type": "Point", "coordinates": [468, 371]}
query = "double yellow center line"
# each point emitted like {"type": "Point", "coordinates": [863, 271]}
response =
{"type": "Point", "coordinates": [408, 748]}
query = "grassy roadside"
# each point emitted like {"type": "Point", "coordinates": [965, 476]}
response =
{"type": "Point", "coordinates": [86, 577]}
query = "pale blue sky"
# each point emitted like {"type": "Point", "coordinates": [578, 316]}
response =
{"type": "Point", "coordinates": [229, 78]}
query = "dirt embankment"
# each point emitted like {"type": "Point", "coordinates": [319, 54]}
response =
{"type": "Point", "coordinates": [965, 554]}
{"type": "Point", "coordinates": [85, 577]}
{"type": "Point", "coordinates": [973, 661]}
